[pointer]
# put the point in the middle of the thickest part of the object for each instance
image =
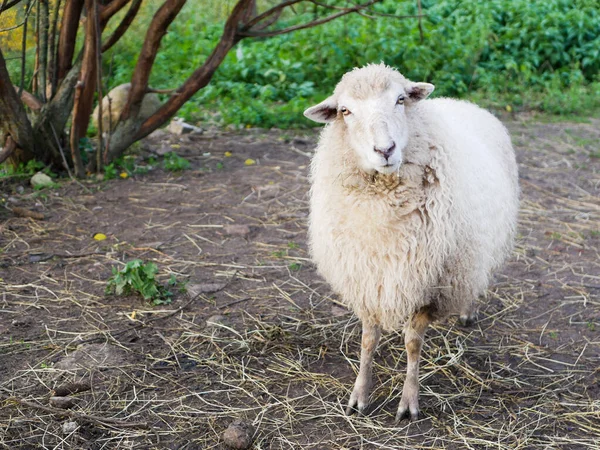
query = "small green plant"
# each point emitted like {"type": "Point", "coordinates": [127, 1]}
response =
{"type": "Point", "coordinates": [591, 326]}
{"type": "Point", "coordinates": [138, 277]}
{"type": "Point", "coordinates": [176, 163]}
{"type": "Point", "coordinates": [293, 245]}
{"type": "Point", "coordinates": [110, 171]}
{"type": "Point", "coordinates": [278, 254]}
{"type": "Point", "coordinates": [553, 335]}
{"type": "Point", "coordinates": [294, 267]}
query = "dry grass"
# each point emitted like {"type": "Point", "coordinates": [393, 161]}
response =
{"type": "Point", "coordinates": [524, 377]}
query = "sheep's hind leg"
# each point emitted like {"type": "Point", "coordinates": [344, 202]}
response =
{"type": "Point", "coordinates": [414, 333]}
{"type": "Point", "coordinates": [362, 387]}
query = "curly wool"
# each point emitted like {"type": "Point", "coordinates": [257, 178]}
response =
{"type": "Point", "coordinates": [430, 234]}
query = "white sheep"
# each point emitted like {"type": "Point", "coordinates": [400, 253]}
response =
{"type": "Point", "coordinates": [413, 203]}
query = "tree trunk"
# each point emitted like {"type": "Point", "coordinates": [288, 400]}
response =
{"type": "Point", "coordinates": [13, 120]}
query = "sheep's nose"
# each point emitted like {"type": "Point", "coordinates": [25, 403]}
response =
{"type": "Point", "coordinates": [386, 152]}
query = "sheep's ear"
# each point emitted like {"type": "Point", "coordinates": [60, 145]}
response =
{"type": "Point", "coordinates": [419, 91]}
{"type": "Point", "coordinates": [324, 112]}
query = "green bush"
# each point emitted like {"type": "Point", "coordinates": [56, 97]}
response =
{"type": "Point", "coordinates": [540, 55]}
{"type": "Point", "coordinates": [530, 55]}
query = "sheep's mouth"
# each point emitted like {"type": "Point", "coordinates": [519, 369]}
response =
{"type": "Point", "coordinates": [388, 168]}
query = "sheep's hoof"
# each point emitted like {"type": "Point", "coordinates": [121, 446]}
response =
{"type": "Point", "coordinates": [359, 401]}
{"type": "Point", "coordinates": [467, 320]}
{"type": "Point", "coordinates": [409, 406]}
{"type": "Point", "coordinates": [403, 414]}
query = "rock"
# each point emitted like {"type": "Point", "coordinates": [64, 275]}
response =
{"type": "Point", "coordinates": [92, 356]}
{"type": "Point", "coordinates": [164, 148]}
{"type": "Point", "coordinates": [238, 435]}
{"type": "Point", "coordinates": [216, 320]}
{"type": "Point", "coordinates": [157, 134]}
{"type": "Point", "coordinates": [69, 427]}
{"type": "Point", "coordinates": [41, 180]}
{"type": "Point", "coordinates": [179, 127]}
{"type": "Point", "coordinates": [62, 402]}
{"type": "Point", "coordinates": [237, 230]}
{"type": "Point", "coordinates": [70, 388]}
{"type": "Point", "coordinates": [204, 288]}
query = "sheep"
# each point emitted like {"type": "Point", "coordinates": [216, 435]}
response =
{"type": "Point", "coordinates": [114, 102]}
{"type": "Point", "coordinates": [413, 204]}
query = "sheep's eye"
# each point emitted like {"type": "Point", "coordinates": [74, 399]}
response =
{"type": "Point", "coordinates": [400, 100]}
{"type": "Point", "coordinates": [345, 111]}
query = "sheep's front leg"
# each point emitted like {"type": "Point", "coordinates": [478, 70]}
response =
{"type": "Point", "coordinates": [362, 387]}
{"type": "Point", "coordinates": [414, 333]}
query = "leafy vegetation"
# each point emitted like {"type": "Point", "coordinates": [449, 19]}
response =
{"type": "Point", "coordinates": [506, 54]}
{"type": "Point", "coordinates": [176, 163]}
{"type": "Point", "coordinates": [509, 54]}
{"type": "Point", "coordinates": [138, 277]}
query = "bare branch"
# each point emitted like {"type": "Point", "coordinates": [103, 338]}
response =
{"type": "Point", "coordinates": [311, 24]}
{"type": "Point", "coordinates": [123, 26]}
{"type": "Point", "coordinates": [158, 28]}
{"type": "Point", "coordinates": [9, 148]}
{"type": "Point", "coordinates": [68, 35]}
{"type": "Point", "coordinates": [202, 76]}
{"type": "Point", "coordinates": [52, 49]}
{"type": "Point", "coordinates": [29, 99]}
{"type": "Point", "coordinates": [275, 10]}
{"type": "Point", "coordinates": [84, 93]}
{"type": "Point", "coordinates": [98, 50]}
{"type": "Point", "coordinates": [8, 4]}
{"type": "Point", "coordinates": [110, 9]}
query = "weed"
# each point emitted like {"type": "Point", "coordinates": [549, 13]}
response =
{"type": "Point", "coordinates": [294, 267]}
{"type": "Point", "coordinates": [138, 277]}
{"type": "Point", "coordinates": [176, 163]}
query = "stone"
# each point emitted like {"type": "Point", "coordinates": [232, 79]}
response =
{"type": "Point", "coordinates": [238, 435]}
{"type": "Point", "coordinates": [216, 320]}
{"type": "Point", "coordinates": [157, 134]}
{"type": "Point", "coordinates": [204, 288]}
{"type": "Point", "coordinates": [89, 356]}
{"type": "Point", "coordinates": [62, 402]}
{"type": "Point", "coordinates": [41, 180]}
{"type": "Point", "coordinates": [69, 427]}
{"type": "Point", "coordinates": [179, 127]}
{"type": "Point", "coordinates": [237, 230]}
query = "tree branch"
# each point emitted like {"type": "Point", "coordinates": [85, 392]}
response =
{"type": "Point", "coordinates": [123, 26]}
{"type": "Point", "coordinates": [158, 28]}
{"type": "Point", "coordinates": [9, 148]}
{"type": "Point", "coordinates": [110, 9]}
{"type": "Point", "coordinates": [68, 35]}
{"type": "Point", "coordinates": [202, 76]}
{"type": "Point", "coordinates": [84, 91]}
{"type": "Point", "coordinates": [249, 33]}
{"type": "Point", "coordinates": [8, 5]}
{"type": "Point", "coordinates": [29, 99]}
{"type": "Point", "coordinates": [276, 9]}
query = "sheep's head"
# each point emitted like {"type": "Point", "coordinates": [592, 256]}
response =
{"type": "Point", "coordinates": [371, 103]}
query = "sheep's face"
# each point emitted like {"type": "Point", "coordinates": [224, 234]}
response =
{"type": "Point", "coordinates": [371, 104]}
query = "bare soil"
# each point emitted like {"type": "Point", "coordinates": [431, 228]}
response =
{"type": "Point", "coordinates": [260, 337]}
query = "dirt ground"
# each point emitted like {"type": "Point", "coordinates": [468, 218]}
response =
{"type": "Point", "coordinates": [260, 337]}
